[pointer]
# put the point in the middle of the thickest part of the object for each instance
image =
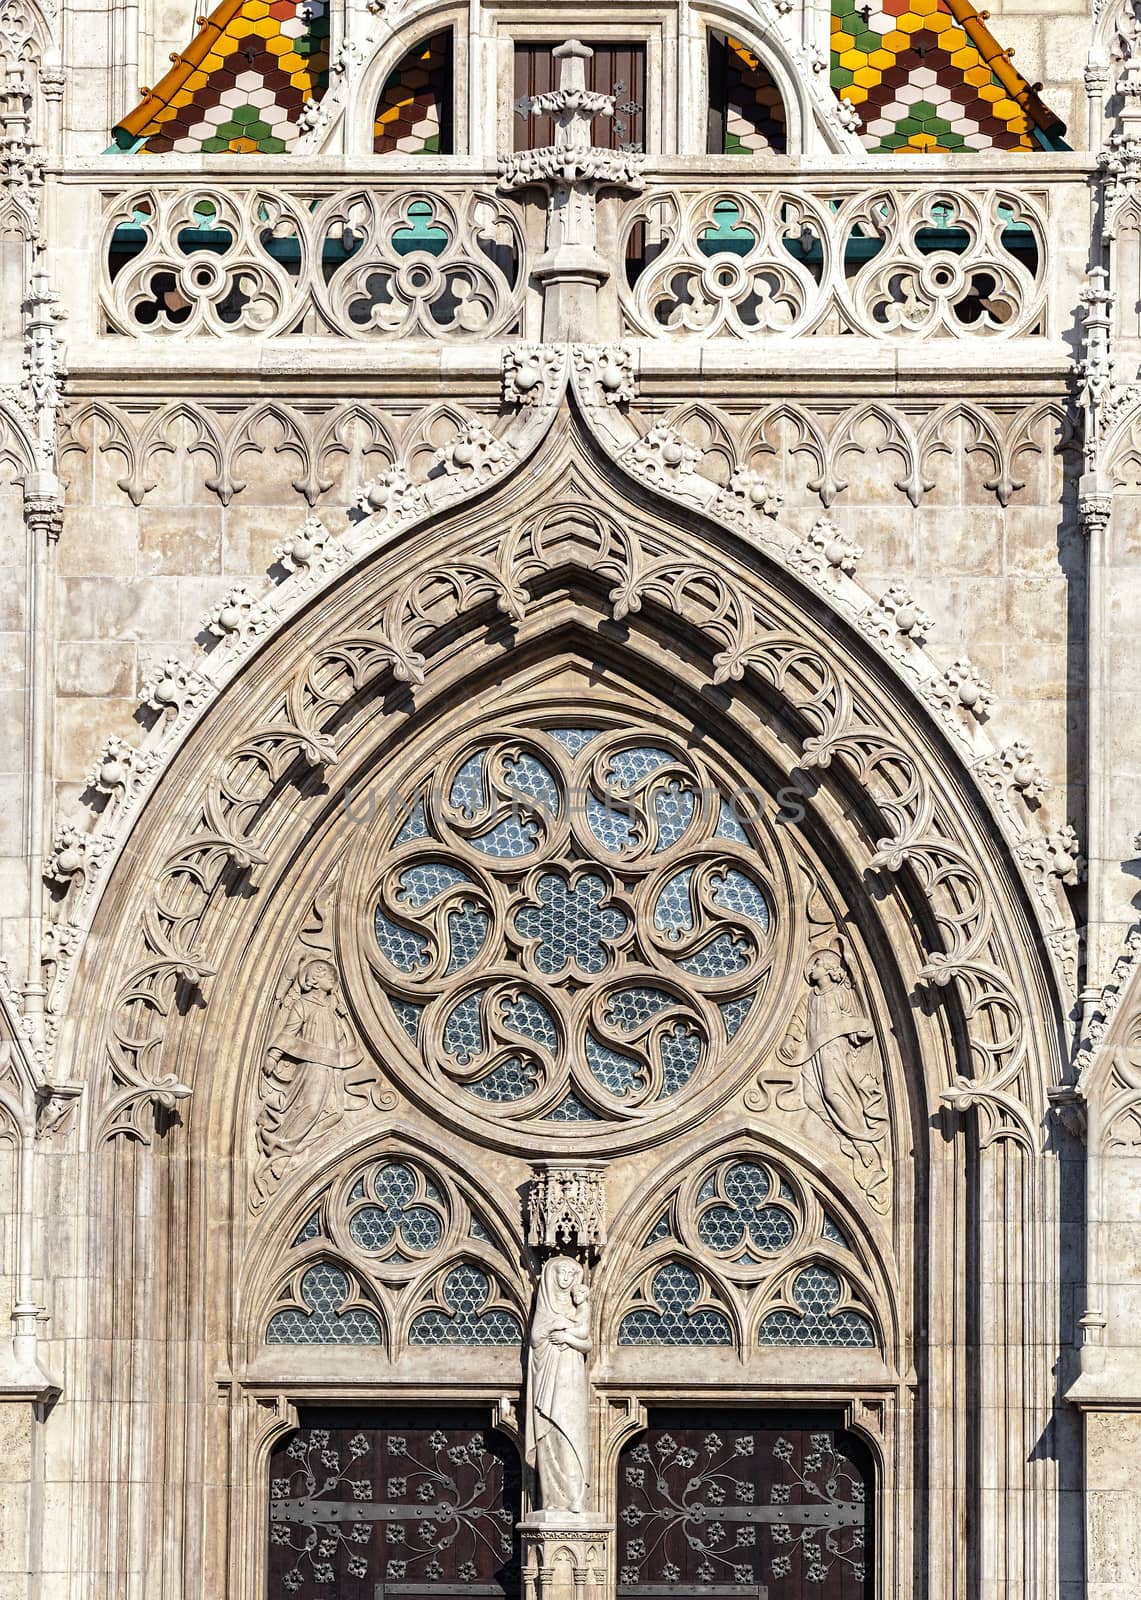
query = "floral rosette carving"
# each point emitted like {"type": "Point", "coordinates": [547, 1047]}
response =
{"type": "Point", "coordinates": [571, 923]}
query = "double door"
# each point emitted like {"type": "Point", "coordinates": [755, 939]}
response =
{"type": "Point", "coordinates": [422, 1503]}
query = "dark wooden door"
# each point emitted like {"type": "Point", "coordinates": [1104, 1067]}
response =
{"type": "Point", "coordinates": [765, 1505]}
{"type": "Point", "coordinates": [412, 1502]}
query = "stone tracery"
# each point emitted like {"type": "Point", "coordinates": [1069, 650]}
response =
{"type": "Point", "coordinates": [574, 910]}
{"type": "Point", "coordinates": [746, 1253]}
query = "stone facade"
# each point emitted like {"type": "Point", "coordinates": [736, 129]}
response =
{"type": "Point", "coordinates": [570, 700]}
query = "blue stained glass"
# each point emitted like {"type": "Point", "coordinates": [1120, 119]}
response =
{"type": "Point", "coordinates": [734, 1012]}
{"type": "Point", "coordinates": [745, 1216]}
{"type": "Point", "coordinates": [615, 1072]}
{"type": "Point", "coordinates": [510, 1080]}
{"type": "Point", "coordinates": [374, 1226]}
{"type": "Point", "coordinates": [612, 824]}
{"type": "Point", "coordinates": [675, 1291]}
{"type": "Point", "coordinates": [463, 1031]}
{"type": "Point", "coordinates": [405, 949]}
{"type": "Point", "coordinates": [720, 958]}
{"type": "Point", "coordinates": [408, 1015]}
{"type": "Point", "coordinates": [681, 1051]}
{"type": "Point", "coordinates": [673, 811]}
{"type": "Point", "coordinates": [477, 1229]}
{"type": "Point", "coordinates": [833, 1233]}
{"type": "Point", "coordinates": [323, 1289]}
{"type": "Point", "coordinates": [468, 794]}
{"type": "Point", "coordinates": [467, 929]}
{"type": "Point", "coordinates": [423, 883]}
{"type": "Point", "coordinates": [729, 825]}
{"type": "Point", "coordinates": [526, 1016]}
{"type": "Point", "coordinates": [627, 1009]}
{"type": "Point", "coordinates": [816, 1291]}
{"type": "Point", "coordinates": [673, 914]}
{"type": "Point", "coordinates": [466, 1291]}
{"type": "Point", "coordinates": [660, 1231]}
{"type": "Point", "coordinates": [311, 1229]}
{"type": "Point", "coordinates": [574, 740]}
{"type": "Point", "coordinates": [739, 894]}
{"type": "Point", "coordinates": [571, 924]}
{"type": "Point", "coordinates": [627, 768]}
{"type": "Point", "coordinates": [746, 1185]}
{"type": "Point", "coordinates": [526, 774]}
{"type": "Point", "coordinates": [514, 836]}
{"type": "Point", "coordinates": [571, 1109]}
{"type": "Point", "coordinates": [416, 825]}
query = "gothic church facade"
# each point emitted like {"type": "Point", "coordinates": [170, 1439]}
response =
{"type": "Point", "coordinates": [569, 1019]}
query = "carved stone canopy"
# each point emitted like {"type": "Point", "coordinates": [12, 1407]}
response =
{"type": "Point", "coordinates": [566, 1207]}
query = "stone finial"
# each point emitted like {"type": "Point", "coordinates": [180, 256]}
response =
{"type": "Point", "coordinates": [572, 57]}
{"type": "Point", "coordinates": [566, 1207]}
{"type": "Point", "coordinates": [572, 171]}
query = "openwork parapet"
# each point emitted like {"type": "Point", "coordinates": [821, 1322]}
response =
{"type": "Point", "coordinates": [365, 263]}
{"type": "Point", "coordinates": [755, 261]}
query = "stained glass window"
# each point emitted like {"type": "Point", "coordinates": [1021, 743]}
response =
{"type": "Point", "coordinates": [468, 1319]}
{"type": "Point", "coordinates": [325, 1320]}
{"type": "Point", "coordinates": [816, 1292]}
{"type": "Point", "coordinates": [674, 1316]}
{"type": "Point", "coordinates": [625, 943]}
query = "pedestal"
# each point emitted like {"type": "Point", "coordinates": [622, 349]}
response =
{"type": "Point", "coordinates": [565, 1555]}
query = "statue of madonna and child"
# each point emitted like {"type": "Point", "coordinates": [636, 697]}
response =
{"type": "Point", "coordinates": [558, 1394]}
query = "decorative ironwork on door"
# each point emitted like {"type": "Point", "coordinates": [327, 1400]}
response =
{"type": "Point", "coordinates": [770, 1505]}
{"type": "Point", "coordinates": [409, 1502]}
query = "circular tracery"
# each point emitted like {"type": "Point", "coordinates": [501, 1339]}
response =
{"type": "Point", "coordinates": [572, 923]}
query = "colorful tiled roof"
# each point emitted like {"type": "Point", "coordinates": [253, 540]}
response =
{"type": "Point", "coordinates": [924, 75]}
{"type": "Point", "coordinates": [240, 84]}
{"type": "Point", "coordinates": [930, 75]}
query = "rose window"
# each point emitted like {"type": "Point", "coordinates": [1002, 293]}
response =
{"type": "Point", "coordinates": [572, 923]}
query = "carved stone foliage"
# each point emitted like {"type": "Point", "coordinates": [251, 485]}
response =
{"type": "Point", "coordinates": [816, 451]}
{"type": "Point", "coordinates": [393, 1252]}
{"type": "Point", "coordinates": [375, 263]}
{"type": "Point", "coordinates": [768, 261]}
{"type": "Point", "coordinates": [511, 958]}
{"type": "Point", "coordinates": [746, 1253]}
{"type": "Point", "coordinates": [572, 922]}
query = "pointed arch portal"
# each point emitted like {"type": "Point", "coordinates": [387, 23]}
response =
{"type": "Point", "coordinates": [569, 826]}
